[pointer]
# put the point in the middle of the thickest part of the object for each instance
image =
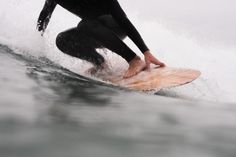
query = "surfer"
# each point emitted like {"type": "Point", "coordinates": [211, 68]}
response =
{"type": "Point", "coordinates": [104, 24]}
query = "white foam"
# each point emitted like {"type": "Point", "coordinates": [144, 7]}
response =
{"type": "Point", "coordinates": [217, 83]}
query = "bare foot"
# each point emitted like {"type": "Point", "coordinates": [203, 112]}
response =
{"type": "Point", "coordinates": [135, 66]}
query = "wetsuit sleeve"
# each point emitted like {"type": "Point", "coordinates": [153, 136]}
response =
{"type": "Point", "coordinates": [45, 15]}
{"type": "Point", "coordinates": [121, 18]}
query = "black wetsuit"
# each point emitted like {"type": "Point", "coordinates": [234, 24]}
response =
{"type": "Point", "coordinates": [104, 24]}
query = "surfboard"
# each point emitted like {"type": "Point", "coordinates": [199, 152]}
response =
{"type": "Point", "coordinates": [155, 79]}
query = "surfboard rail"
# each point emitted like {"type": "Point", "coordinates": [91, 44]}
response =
{"type": "Point", "coordinates": [157, 79]}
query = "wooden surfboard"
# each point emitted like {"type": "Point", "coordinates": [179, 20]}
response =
{"type": "Point", "coordinates": [156, 79]}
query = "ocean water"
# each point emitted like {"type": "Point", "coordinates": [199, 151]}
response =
{"type": "Point", "coordinates": [50, 107]}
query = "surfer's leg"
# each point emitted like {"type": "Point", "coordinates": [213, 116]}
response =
{"type": "Point", "coordinates": [136, 65]}
{"type": "Point", "coordinates": [109, 22]}
{"type": "Point", "coordinates": [82, 42]}
{"type": "Point", "coordinates": [106, 37]}
{"type": "Point", "coordinates": [77, 44]}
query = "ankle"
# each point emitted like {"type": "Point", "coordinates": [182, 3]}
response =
{"type": "Point", "coordinates": [135, 59]}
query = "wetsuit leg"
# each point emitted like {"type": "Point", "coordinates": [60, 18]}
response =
{"type": "Point", "coordinates": [77, 44]}
{"type": "Point", "coordinates": [107, 32]}
{"type": "Point", "coordinates": [109, 22]}
{"type": "Point", "coordinates": [82, 41]}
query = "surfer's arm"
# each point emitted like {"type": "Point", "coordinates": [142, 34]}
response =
{"type": "Point", "coordinates": [133, 34]}
{"type": "Point", "coordinates": [121, 18]}
{"type": "Point", "coordinates": [45, 15]}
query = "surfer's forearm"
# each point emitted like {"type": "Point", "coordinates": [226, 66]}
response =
{"type": "Point", "coordinates": [127, 26]}
{"type": "Point", "coordinates": [133, 34]}
{"type": "Point", "coordinates": [45, 15]}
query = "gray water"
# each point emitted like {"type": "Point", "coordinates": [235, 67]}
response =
{"type": "Point", "coordinates": [46, 110]}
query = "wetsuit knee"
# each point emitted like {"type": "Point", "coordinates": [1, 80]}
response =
{"type": "Point", "coordinates": [78, 45]}
{"type": "Point", "coordinates": [91, 26]}
{"type": "Point", "coordinates": [65, 43]}
{"type": "Point", "coordinates": [88, 26]}
{"type": "Point", "coordinates": [60, 42]}
{"type": "Point", "coordinates": [109, 22]}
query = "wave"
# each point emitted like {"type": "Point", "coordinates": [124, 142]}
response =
{"type": "Point", "coordinates": [18, 29]}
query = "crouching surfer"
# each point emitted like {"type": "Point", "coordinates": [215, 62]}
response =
{"type": "Point", "coordinates": [104, 24]}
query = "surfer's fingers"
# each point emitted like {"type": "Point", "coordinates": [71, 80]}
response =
{"type": "Point", "coordinates": [148, 65]}
{"type": "Point", "coordinates": [157, 62]}
{"type": "Point", "coordinates": [162, 65]}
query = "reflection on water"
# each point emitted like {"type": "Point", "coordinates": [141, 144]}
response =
{"type": "Point", "coordinates": [46, 110]}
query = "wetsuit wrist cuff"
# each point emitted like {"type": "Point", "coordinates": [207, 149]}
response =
{"type": "Point", "coordinates": [145, 50]}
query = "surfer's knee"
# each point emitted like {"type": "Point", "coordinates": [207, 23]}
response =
{"type": "Point", "coordinates": [60, 41]}
{"type": "Point", "coordinates": [65, 44]}
{"type": "Point", "coordinates": [88, 26]}
{"type": "Point", "coordinates": [110, 22]}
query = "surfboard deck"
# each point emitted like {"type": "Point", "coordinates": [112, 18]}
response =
{"type": "Point", "coordinates": [156, 79]}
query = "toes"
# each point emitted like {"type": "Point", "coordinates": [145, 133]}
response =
{"type": "Point", "coordinates": [134, 70]}
{"type": "Point", "coordinates": [129, 74]}
{"type": "Point", "coordinates": [126, 75]}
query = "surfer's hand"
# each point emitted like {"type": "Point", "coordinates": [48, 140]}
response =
{"type": "Point", "coordinates": [45, 15]}
{"type": "Point", "coordinates": [43, 21]}
{"type": "Point", "coordinates": [150, 59]}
